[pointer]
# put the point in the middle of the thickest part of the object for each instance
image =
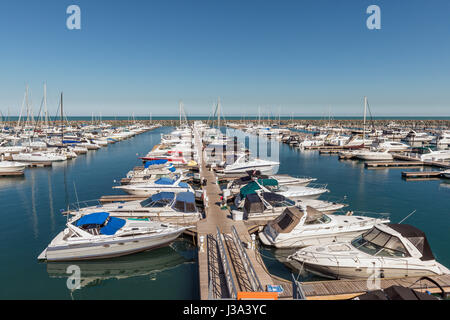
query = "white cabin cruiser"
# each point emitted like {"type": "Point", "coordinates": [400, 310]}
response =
{"type": "Point", "coordinates": [160, 206]}
{"type": "Point", "coordinates": [289, 191]}
{"type": "Point", "coordinates": [440, 155]}
{"type": "Point", "coordinates": [282, 180]}
{"type": "Point", "coordinates": [241, 166]}
{"type": "Point", "coordinates": [372, 155]}
{"type": "Point", "coordinates": [161, 185]}
{"type": "Point", "coordinates": [394, 146]}
{"type": "Point", "coordinates": [39, 157]}
{"type": "Point", "coordinates": [269, 205]}
{"type": "Point", "coordinates": [98, 236]}
{"type": "Point", "coordinates": [385, 251]}
{"type": "Point", "coordinates": [11, 167]}
{"type": "Point", "coordinates": [304, 227]}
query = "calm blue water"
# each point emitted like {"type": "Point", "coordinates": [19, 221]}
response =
{"type": "Point", "coordinates": [30, 209]}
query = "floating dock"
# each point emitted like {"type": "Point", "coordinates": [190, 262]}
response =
{"type": "Point", "coordinates": [228, 262]}
{"type": "Point", "coordinates": [347, 289]}
{"type": "Point", "coordinates": [393, 164]}
{"type": "Point", "coordinates": [420, 175]}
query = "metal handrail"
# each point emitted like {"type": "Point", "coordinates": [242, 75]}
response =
{"type": "Point", "coordinates": [297, 289]}
{"type": "Point", "coordinates": [254, 280]}
{"type": "Point", "coordinates": [226, 266]}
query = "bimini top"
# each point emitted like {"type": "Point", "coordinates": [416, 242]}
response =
{"type": "Point", "coordinates": [96, 218]}
{"type": "Point", "coordinates": [113, 225]}
{"type": "Point", "coordinates": [165, 181]}
{"type": "Point", "coordinates": [155, 162]}
{"type": "Point", "coordinates": [185, 202]}
{"type": "Point", "coordinates": [416, 237]}
{"type": "Point", "coordinates": [287, 221]}
{"type": "Point", "coordinates": [253, 186]}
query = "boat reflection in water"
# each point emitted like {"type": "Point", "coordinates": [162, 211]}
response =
{"type": "Point", "coordinates": [149, 263]}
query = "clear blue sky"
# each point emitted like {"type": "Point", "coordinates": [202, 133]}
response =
{"type": "Point", "coordinates": [301, 56]}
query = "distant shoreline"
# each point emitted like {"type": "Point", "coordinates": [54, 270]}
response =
{"type": "Point", "coordinates": [233, 118]}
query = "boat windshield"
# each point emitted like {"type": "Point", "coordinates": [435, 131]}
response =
{"type": "Point", "coordinates": [318, 220]}
{"type": "Point", "coordinates": [278, 188]}
{"type": "Point", "coordinates": [282, 203]}
{"type": "Point", "coordinates": [377, 243]}
{"type": "Point", "coordinates": [150, 203]}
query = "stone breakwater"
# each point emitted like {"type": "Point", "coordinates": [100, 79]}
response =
{"type": "Point", "coordinates": [378, 123]}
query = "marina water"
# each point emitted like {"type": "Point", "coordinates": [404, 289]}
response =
{"type": "Point", "coordinates": [31, 217]}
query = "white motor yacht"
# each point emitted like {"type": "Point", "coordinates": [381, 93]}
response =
{"type": "Point", "coordinates": [241, 166]}
{"type": "Point", "coordinates": [161, 185]}
{"type": "Point", "coordinates": [440, 155]}
{"type": "Point", "coordinates": [394, 146]}
{"type": "Point", "coordinates": [269, 205]}
{"type": "Point", "coordinates": [98, 235]}
{"type": "Point", "coordinates": [304, 227]}
{"type": "Point", "coordinates": [11, 167]}
{"type": "Point", "coordinates": [372, 155]}
{"type": "Point", "coordinates": [160, 206]}
{"type": "Point", "coordinates": [289, 191]}
{"type": "Point", "coordinates": [385, 251]}
{"type": "Point", "coordinates": [39, 157]}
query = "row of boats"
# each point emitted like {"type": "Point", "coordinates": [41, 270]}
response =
{"type": "Point", "coordinates": [329, 242]}
{"type": "Point", "coordinates": [348, 246]}
{"type": "Point", "coordinates": [22, 145]}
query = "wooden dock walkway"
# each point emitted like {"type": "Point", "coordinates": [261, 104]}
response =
{"type": "Point", "coordinates": [347, 289]}
{"type": "Point", "coordinates": [226, 256]}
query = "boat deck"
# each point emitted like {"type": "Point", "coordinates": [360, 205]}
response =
{"type": "Point", "coordinates": [347, 289]}
{"type": "Point", "coordinates": [227, 263]}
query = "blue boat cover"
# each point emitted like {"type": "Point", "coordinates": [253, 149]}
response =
{"type": "Point", "coordinates": [113, 225]}
{"type": "Point", "coordinates": [165, 181]}
{"type": "Point", "coordinates": [186, 197]}
{"type": "Point", "coordinates": [93, 218]}
{"type": "Point", "coordinates": [154, 162]}
{"type": "Point", "coordinates": [163, 196]}
{"type": "Point", "coordinates": [172, 169]}
{"type": "Point", "coordinates": [183, 185]}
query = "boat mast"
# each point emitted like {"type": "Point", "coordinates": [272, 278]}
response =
{"type": "Point", "coordinates": [45, 105]}
{"type": "Point", "coordinates": [218, 113]}
{"type": "Point", "coordinates": [364, 127]}
{"type": "Point", "coordinates": [62, 121]}
{"type": "Point", "coordinates": [180, 104]}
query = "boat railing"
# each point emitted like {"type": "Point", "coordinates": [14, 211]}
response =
{"type": "Point", "coordinates": [369, 214]}
{"type": "Point", "coordinates": [226, 266]}
{"type": "Point", "coordinates": [75, 206]}
{"type": "Point", "coordinates": [254, 280]}
{"type": "Point", "coordinates": [335, 199]}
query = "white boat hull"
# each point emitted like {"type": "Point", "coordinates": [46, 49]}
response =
{"type": "Point", "coordinates": [108, 248]}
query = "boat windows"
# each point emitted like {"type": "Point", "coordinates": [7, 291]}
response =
{"type": "Point", "coordinates": [376, 242]}
{"type": "Point", "coordinates": [318, 220]}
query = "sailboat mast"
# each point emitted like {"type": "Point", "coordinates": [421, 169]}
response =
{"type": "Point", "coordinates": [181, 107]}
{"type": "Point", "coordinates": [45, 105]}
{"type": "Point", "coordinates": [218, 113]}
{"type": "Point", "coordinates": [364, 125]}
{"type": "Point", "coordinates": [62, 121]}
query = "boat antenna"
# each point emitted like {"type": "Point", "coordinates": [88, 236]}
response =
{"type": "Point", "coordinates": [407, 216]}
